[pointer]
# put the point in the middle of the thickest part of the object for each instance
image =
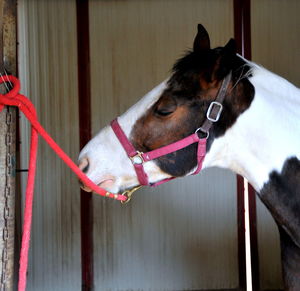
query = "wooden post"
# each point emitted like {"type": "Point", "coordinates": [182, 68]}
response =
{"type": "Point", "coordinates": [242, 35]}
{"type": "Point", "coordinates": [7, 146]}
{"type": "Point", "coordinates": [85, 134]}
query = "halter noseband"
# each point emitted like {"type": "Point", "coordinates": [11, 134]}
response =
{"type": "Point", "coordinates": [139, 158]}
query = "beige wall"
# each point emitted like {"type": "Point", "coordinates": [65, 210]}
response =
{"type": "Point", "coordinates": [275, 45]}
{"type": "Point", "coordinates": [165, 239]}
{"type": "Point", "coordinates": [48, 73]}
{"type": "Point", "coordinates": [182, 235]}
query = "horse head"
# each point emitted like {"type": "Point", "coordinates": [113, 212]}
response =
{"type": "Point", "coordinates": [172, 111]}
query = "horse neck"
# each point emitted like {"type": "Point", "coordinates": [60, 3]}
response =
{"type": "Point", "coordinates": [265, 135]}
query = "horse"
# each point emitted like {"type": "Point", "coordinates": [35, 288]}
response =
{"type": "Point", "coordinates": [216, 109]}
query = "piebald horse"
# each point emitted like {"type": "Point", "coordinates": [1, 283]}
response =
{"type": "Point", "coordinates": [253, 129]}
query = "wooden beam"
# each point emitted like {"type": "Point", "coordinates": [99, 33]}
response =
{"type": "Point", "coordinates": [242, 35]}
{"type": "Point", "coordinates": [7, 147]}
{"type": "Point", "coordinates": [84, 93]}
{"type": "Point", "coordinates": [241, 233]}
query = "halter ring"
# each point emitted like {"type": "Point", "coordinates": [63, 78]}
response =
{"type": "Point", "coordinates": [137, 159]}
{"type": "Point", "coordinates": [128, 194]}
{"type": "Point", "coordinates": [206, 132]}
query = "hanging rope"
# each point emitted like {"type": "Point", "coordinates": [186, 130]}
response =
{"type": "Point", "coordinates": [14, 98]}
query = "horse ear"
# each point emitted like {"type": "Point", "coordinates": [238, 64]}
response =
{"type": "Point", "coordinates": [201, 41]}
{"type": "Point", "coordinates": [230, 47]}
{"type": "Point", "coordinates": [225, 61]}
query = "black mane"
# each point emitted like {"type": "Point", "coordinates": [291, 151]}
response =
{"type": "Point", "coordinates": [192, 64]}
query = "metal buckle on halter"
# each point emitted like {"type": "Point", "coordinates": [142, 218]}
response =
{"type": "Point", "coordinates": [211, 107]}
{"type": "Point", "coordinates": [137, 159]}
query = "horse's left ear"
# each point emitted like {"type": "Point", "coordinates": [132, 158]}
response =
{"type": "Point", "coordinates": [201, 42]}
{"type": "Point", "coordinates": [230, 47]}
{"type": "Point", "coordinates": [225, 60]}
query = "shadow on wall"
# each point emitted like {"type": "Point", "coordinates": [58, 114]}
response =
{"type": "Point", "coordinates": [167, 238]}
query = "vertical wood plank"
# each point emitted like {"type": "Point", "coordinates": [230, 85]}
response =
{"type": "Point", "coordinates": [253, 238]}
{"type": "Point", "coordinates": [7, 147]}
{"type": "Point", "coordinates": [241, 232]}
{"type": "Point", "coordinates": [84, 95]}
{"type": "Point", "coordinates": [48, 73]}
{"type": "Point", "coordinates": [242, 34]}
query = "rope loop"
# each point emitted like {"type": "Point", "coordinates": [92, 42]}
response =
{"type": "Point", "coordinates": [13, 92]}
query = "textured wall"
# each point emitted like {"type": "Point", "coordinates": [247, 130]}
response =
{"type": "Point", "coordinates": [48, 73]}
{"type": "Point", "coordinates": [182, 235]}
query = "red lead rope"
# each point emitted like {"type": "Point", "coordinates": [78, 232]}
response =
{"type": "Point", "coordinates": [13, 98]}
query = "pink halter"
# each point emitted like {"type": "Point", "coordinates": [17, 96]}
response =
{"type": "Point", "coordinates": [138, 158]}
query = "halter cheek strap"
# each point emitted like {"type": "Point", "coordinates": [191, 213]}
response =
{"type": "Point", "coordinates": [138, 158]}
{"type": "Point", "coordinates": [135, 156]}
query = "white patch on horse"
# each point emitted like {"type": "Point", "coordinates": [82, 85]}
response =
{"type": "Point", "coordinates": [259, 142]}
{"type": "Point", "coordinates": [265, 135]}
{"type": "Point", "coordinates": [109, 165]}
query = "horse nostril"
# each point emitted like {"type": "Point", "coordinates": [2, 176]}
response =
{"type": "Point", "coordinates": [84, 165]}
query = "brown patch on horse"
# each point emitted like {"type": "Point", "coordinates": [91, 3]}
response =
{"type": "Point", "coordinates": [182, 107]}
{"type": "Point", "coordinates": [154, 130]}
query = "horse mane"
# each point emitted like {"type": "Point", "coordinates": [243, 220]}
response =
{"type": "Point", "coordinates": [191, 64]}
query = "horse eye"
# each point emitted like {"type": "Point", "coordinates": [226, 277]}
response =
{"type": "Point", "coordinates": [166, 107]}
{"type": "Point", "coordinates": [163, 112]}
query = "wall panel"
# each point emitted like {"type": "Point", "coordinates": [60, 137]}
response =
{"type": "Point", "coordinates": [183, 235]}
{"type": "Point", "coordinates": [275, 45]}
{"type": "Point", "coordinates": [48, 73]}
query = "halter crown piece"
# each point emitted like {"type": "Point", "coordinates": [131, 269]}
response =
{"type": "Point", "coordinates": [139, 158]}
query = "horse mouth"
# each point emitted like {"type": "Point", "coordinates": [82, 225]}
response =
{"type": "Point", "coordinates": [107, 183]}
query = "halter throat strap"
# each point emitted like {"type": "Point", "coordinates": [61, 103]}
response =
{"type": "Point", "coordinates": [138, 158]}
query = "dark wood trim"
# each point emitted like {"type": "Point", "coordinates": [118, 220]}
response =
{"type": "Point", "coordinates": [8, 60]}
{"type": "Point", "coordinates": [242, 27]}
{"type": "Point", "coordinates": [241, 232]}
{"type": "Point", "coordinates": [253, 238]}
{"type": "Point", "coordinates": [242, 35]}
{"type": "Point", "coordinates": [84, 99]}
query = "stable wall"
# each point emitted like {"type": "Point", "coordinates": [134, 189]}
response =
{"type": "Point", "coordinates": [48, 74]}
{"type": "Point", "coordinates": [182, 235]}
